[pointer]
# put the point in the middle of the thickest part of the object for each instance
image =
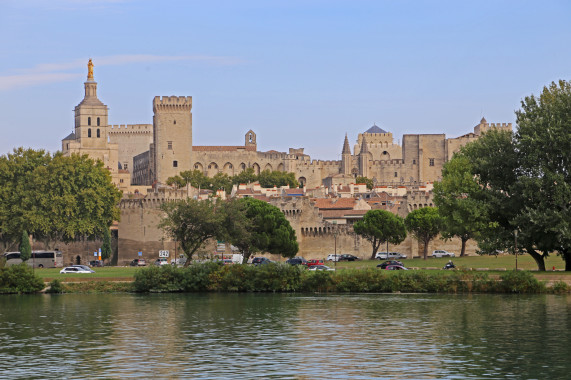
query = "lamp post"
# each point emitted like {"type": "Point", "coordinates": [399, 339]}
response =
{"type": "Point", "coordinates": [515, 250]}
{"type": "Point", "coordinates": [335, 238]}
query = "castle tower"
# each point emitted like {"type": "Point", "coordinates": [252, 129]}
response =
{"type": "Point", "coordinates": [364, 159]}
{"type": "Point", "coordinates": [250, 139]}
{"type": "Point", "coordinates": [172, 136]}
{"type": "Point", "coordinates": [346, 162]}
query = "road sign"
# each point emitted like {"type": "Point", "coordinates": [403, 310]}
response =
{"type": "Point", "coordinates": [140, 253]}
{"type": "Point", "coordinates": [164, 253]}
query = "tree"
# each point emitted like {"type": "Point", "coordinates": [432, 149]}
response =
{"type": "Point", "coordinates": [379, 227]}
{"type": "Point", "coordinates": [106, 246]}
{"type": "Point", "coordinates": [25, 248]}
{"type": "Point", "coordinates": [192, 222]}
{"type": "Point", "coordinates": [270, 179]}
{"type": "Point", "coordinates": [365, 180]}
{"type": "Point", "coordinates": [55, 198]}
{"type": "Point", "coordinates": [463, 215]}
{"type": "Point", "coordinates": [222, 181]}
{"type": "Point", "coordinates": [269, 231]}
{"type": "Point", "coordinates": [246, 176]}
{"type": "Point", "coordinates": [424, 224]}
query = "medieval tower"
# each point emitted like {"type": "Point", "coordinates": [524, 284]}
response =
{"type": "Point", "coordinates": [171, 151]}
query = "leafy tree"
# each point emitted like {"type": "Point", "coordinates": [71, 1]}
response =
{"type": "Point", "coordinates": [176, 181]}
{"type": "Point", "coordinates": [269, 179]}
{"type": "Point", "coordinates": [246, 176]}
{"type": "Point", "coordinates": [106, 246]}
{"type": "Point", "coordinates": [269, 231]}
{"type": "Point", "coordinates": [55, 198]}
{"type": "Point", "coordinates": [424, 224]}
{"type": "Point", "coordinates": [192, 222]}
{"type": "Point", "coordinates": [365, 180]}
{"type": "Point", "coordinates": [25, 247]}
{"type": "Point", "coordinates": [221, 181]}
{"type": "Point", "coordinates": [379, 227]}
{"type": "Point", "coordinates": [463, 215]}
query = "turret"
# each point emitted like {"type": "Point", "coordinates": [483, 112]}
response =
{"type": "Point", "coordinates": [346, 160]}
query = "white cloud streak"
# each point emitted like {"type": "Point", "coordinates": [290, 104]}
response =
{"type": "Point", "coordinates": [45, 73]}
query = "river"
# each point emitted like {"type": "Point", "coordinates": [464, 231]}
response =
{"type": "Point", "coordinates": [285, 336]}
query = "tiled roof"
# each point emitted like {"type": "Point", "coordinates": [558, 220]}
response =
{"type": "Point", "coordinates": [334, 203]}
{"type": "Point", "coordinates": [71, 136]}
{"type": "Point", "coordinates": [223, 148]}
{"type": "Point", "coordinates": [293, 191]}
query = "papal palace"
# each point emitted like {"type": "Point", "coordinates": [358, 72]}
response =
{"type": "Point", "coordinates": [141, 157]}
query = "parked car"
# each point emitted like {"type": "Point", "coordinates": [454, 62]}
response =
{"type": "Point", "coordinates": [347, 257]}
{"type": "Point", "coordinates": [96, 263]}
{"type": "Point", "coordinates": [261, 261]}
{"type": "Point", "coordinates": [390, 255]}
{"type": "Point", "coordinates": [389, 262]}
{"type": "Point", "coordinates": [138, 263]}
{"type": "Point", "coordinates": [84, 267]}
{"type": "Point", "coordinates": [227, 262]}
{"type": "Point", "coordinates": [333, 257]}
{"type": "Point", "coordinates": [320, 267]}
{"type": "Point", "coordinates": [180, 261]}
{"type": "Point", "coordinates": [75, 270]}
{"type": "Point", "coordinates": [296, 261]}
{"type": "Point", "coordinates": [442, 253]}
{"type": "Point", "coordinates": [395, 267]}
{"type": "Point", "coordinates": [161, 261]}
{"type": "Point", "coordinates": [311, 263]}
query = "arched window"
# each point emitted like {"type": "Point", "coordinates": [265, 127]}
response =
{"type": "Point", "coordinates": [98, 123]}
{"type": "Point", "coordinates": [98, 134]}
{"type": "Point", "coordinates": [89, 121]}
{"type": "Point", "coordinates": [89, 132]}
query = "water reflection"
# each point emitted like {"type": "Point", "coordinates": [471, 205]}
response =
{"type": "Point", "coordinates": [213, 336]}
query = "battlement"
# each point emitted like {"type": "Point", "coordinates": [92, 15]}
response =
{"type": "Point", "coordinates": [131, 129]}
{"type": "Point", "coordinates": [172, 103]}
{"type": "Point", "coordinates": [500, 125]}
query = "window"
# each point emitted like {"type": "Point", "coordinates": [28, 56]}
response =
{"type": "Point", "coordinates": [431, 161]}
{"type": "Point", "coordinates": [98, 134]}
{"type": "Point", "coordinates": [414, 162]}
{"type": "Point", "coordinates": [396, 174]}
{"type": "Point", "coordinates": [125, 166]}
{"type": "Point", "coordinates": [89, 132]}
{"type": "Point", "coordinates": [88, 121]}
{"type": "Point", "coordinates": [174, 122]}
{"type": "Point", "coordinates": [98, 123]}
{"type": "Point", "coordinates": [169, 145]}
{"type": "Point", "coordinates": [196, 166]}
{"type": "Point", "coordinates": [121, 180]}
{"type": "Point", "coordinates": [175, 164]}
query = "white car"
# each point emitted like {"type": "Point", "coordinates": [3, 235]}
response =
{"type": "Point", "coordinates": [390, 256]}
{"type": "Point", "coordinates": [442, 253]}
{"type": "Point", "coordinates": [333, 257]}
{"type": "Point", "coordinates": [75, 270]}
{"type": "Point", "coordinates": [161, 261]}
{"type": "Point", "coordinates": [320, 267]}
{"type": "Point", "coordinates": [85, 267]}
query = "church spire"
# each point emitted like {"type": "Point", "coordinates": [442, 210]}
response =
{"type": "Point", "coordinates": [346, 148]}
{"type": "Point", "coordinates": [364, 148]}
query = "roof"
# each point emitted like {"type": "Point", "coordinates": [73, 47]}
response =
{"type": "Point", "coordinates": [375, 129]}
{"type": "Point", "coordinates": [334, 203]}
{"type": "Point", "coordinates": [71, 136]}
{"type": "Point", "coordinates": [346, 148]}
{"type": "Point", "coordinates": [249, 148]}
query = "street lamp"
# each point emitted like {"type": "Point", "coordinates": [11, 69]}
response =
{"type": "Point", "coordinates": [335, 237]}
{"type": "Point", "coordinates": [515, 250]}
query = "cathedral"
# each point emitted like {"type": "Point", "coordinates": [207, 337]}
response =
{"type": "Point", "coordinates": [141, 155]}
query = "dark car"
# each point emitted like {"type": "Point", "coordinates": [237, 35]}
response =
{"type": "Point", "coordinates": [389, 262]}
{"type": "Point", "coordinates": [96, 263]}
{"type": "Point", "coordinates": [347, 257]}
{"type": "Point", "coordinates": [260, 261]}
{"type": "Point", "coordinates": [395, 267]}
{"type": "Point", "coordinates": [138, 263]}
{"type": "Point", "coordinates": [296, 261]}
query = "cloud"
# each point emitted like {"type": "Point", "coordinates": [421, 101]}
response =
{"type": "Point", "coordinates": [45, 73]}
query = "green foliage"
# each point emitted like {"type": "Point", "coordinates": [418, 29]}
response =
{"type": "Point", "coordinates": [19, 279]}
{"type": "Point", "coordinates": [192, 222]}
{"type": "Point", "coordinates": [463, 213]}
{"type": "Point", "coordinates": [316, 281]}
{"type": "Point", "coordinates": [365, 180]}
{"type": "Point", "coordinates": [424, 224]}
{"type": "Point", "coordinates": [559, 287]}
{"type": "Point", "coordinates": [106, 246]}
{"type": "Point", "coordinates": [269, 179]}
{"type": "Point", "coordinates": [520, 282]}
{"type": "Point", "coordinates": [246, 176]}
{"type": "Point", "coordinates": [54, 198]}
{"type": "Point", "coordinates": [55, 286]}
{"type": "Point", "coordinates": [25, 247]}
{"type": "Point", "coordinates": [269, 231]}
{"type": "Point", "coordinates": [380, 226]}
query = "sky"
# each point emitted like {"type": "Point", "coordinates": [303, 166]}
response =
{"type": "Point", "coordinates": [300, 74]}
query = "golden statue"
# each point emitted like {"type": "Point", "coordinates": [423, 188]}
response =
{"type": "Point", "coordinates": [89, 70]}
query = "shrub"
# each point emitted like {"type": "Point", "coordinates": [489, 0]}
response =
{"type": "Point", "coordinates": [560, 287]}
{"type": "Point", "coordinates": [316, 281]}
{"type": "Point", "coordinates": [520, 282]}
{"type": "Point", "coordinates": [55, 286]}
{"type": "Point", "coordinates": [19, 279]}
{"type": "Point", "coordinates": [164, 278]}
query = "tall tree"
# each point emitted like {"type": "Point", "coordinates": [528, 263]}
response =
{"type": "Point", "coordinates": [106, 246]}
{"type": "Point", "coordinates": [424, 224]}
{"type": "Point", "coordinates": [246, 176]}
{"type": "Point", "coordinates": [365, 180]}
{"type": "Point", "coordinates": [269, 231]}
{"type": "Point", "coordinates": [25, 247]}
{"type": "Point", "coordinates": [379, 227]}
{"type": "Point", "coordinates": [192, 223]}
{"type": "Point", "coordinates": [463, 215]}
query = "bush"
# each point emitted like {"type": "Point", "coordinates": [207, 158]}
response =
{"type": "Point", "coordinates": [560, 287]}
{"type": "Point", "coordinates": [520, 282]}
{"type": "Point", "coordinates": [19, 279]}
{"type": "Point", "coordinates": [164, 278]}
{"type": "Point", "coordinates": [316, 281]}
{"type": "Point", "coordinates": [55, 286]}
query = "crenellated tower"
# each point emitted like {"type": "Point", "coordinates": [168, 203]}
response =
{"type": "Point", "coordinates": [171, 150]}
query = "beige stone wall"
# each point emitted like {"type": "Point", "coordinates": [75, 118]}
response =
{"type": "Point", "coordinates": [131, 140]}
